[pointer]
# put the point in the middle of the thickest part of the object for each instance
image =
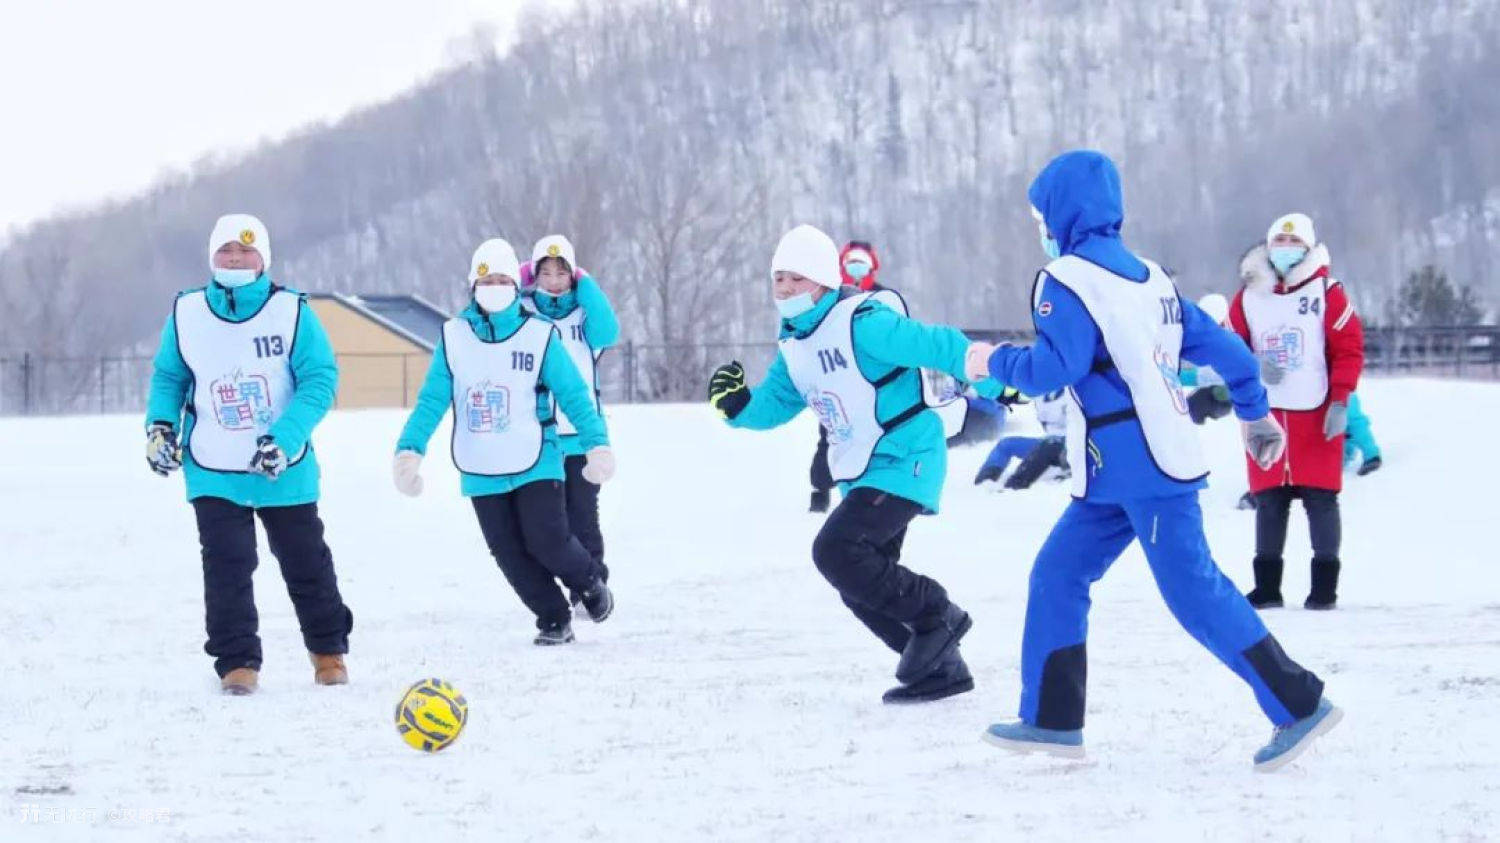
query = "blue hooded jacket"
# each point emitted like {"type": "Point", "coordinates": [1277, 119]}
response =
{"type": "Point", "coordinates": [1078, 195]}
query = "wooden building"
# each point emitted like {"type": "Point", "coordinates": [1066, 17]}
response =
{"type": "Point", "coordinates": [384, 345]}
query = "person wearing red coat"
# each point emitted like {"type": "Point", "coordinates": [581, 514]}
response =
{"type": "Point", "coordinates": [1298, 320]}
{"type": "Point", "coordinates": [858, 264]}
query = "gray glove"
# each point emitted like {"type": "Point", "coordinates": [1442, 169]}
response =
{"type": "Point", "coordinates": [1265, 440]}
{"type": "Point", "coordinates": [1336, 420]}
{"type": "Point", "coordinates": [1270, 372]}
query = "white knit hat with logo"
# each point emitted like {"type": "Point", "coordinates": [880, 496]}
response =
{"type": "Point", "coordinates": [245, 229]}
{"type": "Point", "coordinates": [494, 257]}
{"type": "Point", "coordinates": [1299, 226]}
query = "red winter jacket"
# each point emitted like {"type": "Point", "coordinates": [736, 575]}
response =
{"type": "Point", "coordinates": [1311, 459]}
{"type": "Point", "coordinates": [868, 282]}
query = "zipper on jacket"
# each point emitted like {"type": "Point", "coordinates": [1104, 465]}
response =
{"type": "Point", "coordinates": [229, 291]}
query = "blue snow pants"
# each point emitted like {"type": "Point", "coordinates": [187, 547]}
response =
{"type": "Point", "coordinates": [1085, 542]}
{"type": "Point", "coordinates": [1009, 448]}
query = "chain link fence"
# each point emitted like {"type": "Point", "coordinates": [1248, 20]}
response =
{"type": "Point", "coordinates": [629, 373]}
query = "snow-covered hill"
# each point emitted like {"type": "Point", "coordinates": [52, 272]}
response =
{"type": "Point", "coordinates": [731, 696]}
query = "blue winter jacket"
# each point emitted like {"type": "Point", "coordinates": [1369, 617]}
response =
{"type": "Point", "coordinates": [316, 376]}
{"type": "Point", "coordinates": [1078, 195]}
{"type": "Point", "coordinates": [909, 461]}
{"type": "Point", "coordinates": [558, 375]}
{"type": "Point", "coordinates": [601, 329]}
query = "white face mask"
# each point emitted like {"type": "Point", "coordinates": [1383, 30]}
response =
{"type": "Point", "coordinates": [495, 297]}
{"type": "Point", "coordinates": [233, 278]}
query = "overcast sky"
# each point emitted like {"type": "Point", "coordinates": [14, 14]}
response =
{"type": "Point", "coordinates": [100, 97]}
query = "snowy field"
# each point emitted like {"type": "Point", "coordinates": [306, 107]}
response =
{"type": "Point", "coordinates": [731, 696]}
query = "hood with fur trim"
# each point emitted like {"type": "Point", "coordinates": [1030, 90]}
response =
{"type": "Point", "coordinates": [868, 282]}
{"type": "Point", "coordinates": [1256, 272]}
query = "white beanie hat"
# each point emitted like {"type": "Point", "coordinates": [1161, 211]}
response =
{"type": "Point", "coordinates": [1299, 226]}
{"type": "Point", "coordinates": [244, 229]}
{"type": "Point", "coordinates": [810, 253]}
{"type": "Point", "coordinates": [1216, 306]}
{"type": "Point", "coordinates": [494, 257]}
{"type": "Point", "coordinates": [552, 246]}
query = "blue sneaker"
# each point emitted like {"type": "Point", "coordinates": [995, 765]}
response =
{"type": "Point", "coordinates": [1022, 737]}
{"type": "Point", "coordinates": [1290, 741]}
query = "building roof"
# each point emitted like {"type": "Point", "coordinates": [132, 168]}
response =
{"type": "Point", "coordinates": [412, 317]}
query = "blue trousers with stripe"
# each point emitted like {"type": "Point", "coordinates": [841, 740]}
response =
{"type": "Point", "coordinates": [1085, 542]}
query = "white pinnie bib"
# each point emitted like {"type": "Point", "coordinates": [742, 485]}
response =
{"type": "Point", "coordinates": [582, 354]}
{"type": "Point", "coordinates": [822, 366]}
{"type": "Point", "coordinates": [242, 376]}
{"type": "Point", "coordinates": [1142, 328]}
{"type": "Point", "coordinates": [1288, 330]}
{"type": "Point", "coordinates": [496, 432]}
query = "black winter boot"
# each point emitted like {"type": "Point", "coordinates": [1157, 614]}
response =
{"type": "Point", "coordinates": [1267, 591]}
{"type": "Point", "coordinates": [551, 636]}
{"type": "Point", "coordinates": [933, 640]}
{"type": "Point", "coordinates": [1325, 584]}
{"type": "Point", "coordinates": [598, 601]}
{"type": "Point", "coordinates": [950, 679]}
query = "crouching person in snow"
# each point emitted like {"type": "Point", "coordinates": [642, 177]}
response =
{"type": "Point", "coordinates": [568, 297]}
{"type": "Point", "coordinates": [1359, 442]}
{"type": "Point", "coordinates": [500, 370]}
{"type": "Point", "coordinates": [1112, 329]}
{"type": "Point", "coordinates": [853, 360]}
{"type": "Point", "coordinates": [1300, 323]}
{"type": "Point", "coordinates": [1036, 454]}
{"type": "Point", "coordinates": [251, 357]}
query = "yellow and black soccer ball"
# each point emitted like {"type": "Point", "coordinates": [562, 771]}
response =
{"type": "Point", "coordinates": [431, 715]}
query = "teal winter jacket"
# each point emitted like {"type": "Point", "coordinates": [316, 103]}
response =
{"type": "Point", "coordinates": [910, 461]}
{"type": "Point", "coordinates": [601, 329]}
{"type": "Point", "coordinates": [558, 376]}
{"type": "Point", "coordinates": [316, 374]}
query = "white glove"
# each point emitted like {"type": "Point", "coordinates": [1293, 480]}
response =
{"type": "Point", "coordinates": [1265, 441]}
{"type": "Point", "coordinates": [406, 470]}
{"type": "Point", "coordinates": [600, 466]}
{"type": "Point", "coordinates": [977, 361]}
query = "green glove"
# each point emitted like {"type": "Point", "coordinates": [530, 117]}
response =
{"type": "Point", "coordinates": [727, 391]}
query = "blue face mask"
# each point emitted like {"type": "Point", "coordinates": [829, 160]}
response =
{"type": "Point", "coordinates": [1286, 257]}
{"type": "Point", "coordinates": [1050, 246]}
{"type": "Point", "coordinates": [233, 278]}
{"type": "Point", "coordinates": [857, 269]}
{"type": "Point", "coordinates": [795, 306]}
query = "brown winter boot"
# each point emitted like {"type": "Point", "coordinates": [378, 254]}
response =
{"type": "Point", "coordinates": [240, 682]}
{"type": "Point", "coordinates": [329, 669]}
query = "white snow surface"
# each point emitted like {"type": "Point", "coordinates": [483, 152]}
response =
{"type": "Point", "coordinates": [732, 696]}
